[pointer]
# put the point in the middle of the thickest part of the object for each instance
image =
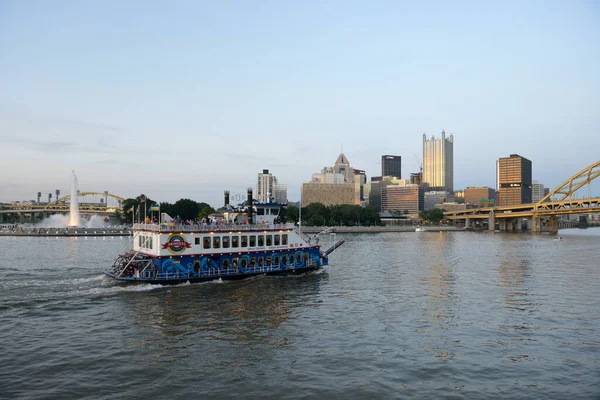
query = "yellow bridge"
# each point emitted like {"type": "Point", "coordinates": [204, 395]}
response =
{"type": "Point", "coordinates": [540, 216]}
{"type": "Point", "coordinates": [87, 202]}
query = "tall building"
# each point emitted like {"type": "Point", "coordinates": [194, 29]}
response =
{"type": "Point", "coordinates": [342, 166]}
{"type": "Point", "coordinates": [281, 193]}
{"type": "Point", "coordinates": [391, 166]}
{"type": "Point", "coordinates": [402, 198]}
{"type": "Point", "coordinates": [513, 176]}
{"type": "Point", "coordinates": [328, 194]}
{"type": "Point", "coordinates": [480, 195]}
{"type": "Point", "coordinates": [538, 191]}
{"type": "Point", "coordinates": [334, 185]}
{"type": "Point", "coordinates": [265, 187]}
{"type": "Point", "coordinates": [360, 179]}
{"type": "Point", "coordinates": [438, 162]}
{"type": "Point", "coordinates": [376, 185]}
{"type": "Point", "coordinates": [432, 198]}
{"type": "Point", "coordinates": [328, 175]}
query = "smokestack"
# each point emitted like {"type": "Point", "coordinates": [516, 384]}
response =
{"type": "Point", "coordinates": [57, 194]}
{"type": "Point", "coordinates": [39, 196]}
{"type": "Point", "coordinates": [250, 220]}
{"type": "Point", "coordinates": [49, 197]}
{"type": "Point", "coordinates": [226, 198]}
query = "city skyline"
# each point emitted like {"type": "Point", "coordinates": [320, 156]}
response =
{"type": "Point", "coordinates": [185, 102]}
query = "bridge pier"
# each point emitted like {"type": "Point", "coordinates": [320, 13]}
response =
{"type": "Point", "coordinates": [528, 224]}
{"type": "Point", "coordinates": [468, 223]}
{"type": "Point", "coordinates": [492, 221]}
{"type": "Point", "coordinates": [502, 225]}
{"type": "Point", "coordinates": [553, 224]}
{"type": "Point", "coordinates": [536, 224]}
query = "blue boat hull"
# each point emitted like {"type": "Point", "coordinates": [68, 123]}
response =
{"type": "Point", "coordinates": [200, 268]}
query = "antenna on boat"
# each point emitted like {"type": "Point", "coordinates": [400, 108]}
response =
{"type": "Point", "coordinates": [300, 214]}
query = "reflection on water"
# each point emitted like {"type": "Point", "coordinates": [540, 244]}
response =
{"type": "Point", "coordinates": [215, 314]}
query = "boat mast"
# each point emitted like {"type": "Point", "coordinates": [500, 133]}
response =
{"type": "Point", "coordinates": [300, 213]}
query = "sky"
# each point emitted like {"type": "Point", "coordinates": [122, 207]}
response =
{"type": "Point", "coordinates": [185, 99]}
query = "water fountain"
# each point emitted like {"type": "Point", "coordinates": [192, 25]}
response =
{"type": "Point", "coordinates": [74, 207]}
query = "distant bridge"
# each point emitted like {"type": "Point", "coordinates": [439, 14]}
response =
{"type": "Point", "coordinates": [88, 206]}
{"type": "Point", "coordinates": [540, 216]}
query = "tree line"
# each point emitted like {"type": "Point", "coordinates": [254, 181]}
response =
{"type": "Point", "coordinates": [185, 209]}
{"type": "Point", "coordinates": [315, 214]}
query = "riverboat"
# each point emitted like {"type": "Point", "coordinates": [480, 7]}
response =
{"type": "Point", "coordinates": [244, 242]}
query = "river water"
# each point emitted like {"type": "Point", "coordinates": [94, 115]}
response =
{"type": "Point", "coordinates": [462, 315]}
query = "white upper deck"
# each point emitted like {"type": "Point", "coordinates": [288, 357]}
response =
{"type": "Point", "coordinates": [180, 239]}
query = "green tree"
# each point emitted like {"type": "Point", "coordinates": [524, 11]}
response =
{"type": "Point", "coordinates": [434, 215]}
{"type": "Point", "coordinates": [205, 211]}
{"type": "Point", "coordinates": [371, 216]}
{"type": "Point", "coordinates": [140, 203]}
{"type": "Point", "coordinates": [290, 214]}
{"type": "Point", "coordinates": [186, 209]}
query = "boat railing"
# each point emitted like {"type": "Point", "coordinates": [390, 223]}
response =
{"type": "Point", "coordinates": [210, 228]}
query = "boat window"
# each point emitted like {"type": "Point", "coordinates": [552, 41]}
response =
{"type": "Point", "coordinates": [235, 241]}
{"type": "Point", "coordinates": [207, 242]}
{"type": "Point", "coordinates": [226, 263]}
{"type": "Point", "coordinates": [252, 262]}
{"type": "Point", "coordinates": [261, 261]}
{"type": "Point", "coordinates": [234, 263]}
{"type": "Point", "coordinates": [196, 265]}
{"type": "Point", "coordinates": [269, 240]}
{"type": "Point", "coordinates": [261, 240]}
{"type": "Point", "coordinates": [252, 241]}
{"type": "Point", "coordinates": [276, 260]}
{"type": "Point", "coordinates": [291, 260]}
{"type": "Point", "coordinates": [260, 211]}
{"type": "Point", "coordinates": [140, 241]}
{"type": "Point", "coordinates": [216, 242]}
{"type": "Point", "coordinates": [276, 239]}
{"type": "Point", "coordinates": [284, 260]}
{"type": "Point", "coordinates": [225, 242]}
{"type": "Point", "coordinates": [151, 243]}
{"type": "Point", "coordinates": [284, 239]}
{"type": "Point", "coordinates": [299, 258]}
{"type": "Point", "coordinates": [268, 261]}
{"type": "Point", "coordinates": [306, 258]}
{"type": "Point", "coordinates": [197, 240]}
{"type": "Point", "coordinates": [243, 263]}
{"type": "Point", "coordinates": [244, 241]}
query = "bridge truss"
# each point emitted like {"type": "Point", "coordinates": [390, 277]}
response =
{"type": "Point", "coordinates": [560, 201]}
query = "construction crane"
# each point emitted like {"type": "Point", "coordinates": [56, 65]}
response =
{"type": "Point", "coordinates": [420, 163]}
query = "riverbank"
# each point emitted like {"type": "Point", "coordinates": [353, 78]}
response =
{"type": "Point", "coordinates": [377, 229]}
{"type": "Point", "coordinates": [66, 232]}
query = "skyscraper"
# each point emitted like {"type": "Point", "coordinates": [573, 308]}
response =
{"type": "Point", "coordinates": [391, 166]}
{"type": "Point", "coordinates": [538, 191]}
{"type": "Point", "coordinates": [342, 166]}
{"type": "Point", "coordinates": [265, 187]}
{"type": "Point", "coordinates": [438, 162]}
{"type": "Point", "coordinates": [334, 185]}
{"type": "Point", "coordinates": [513, 180]}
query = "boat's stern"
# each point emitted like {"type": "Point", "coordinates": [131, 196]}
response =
{"type": "Point", "coordinates": [131, 266]}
